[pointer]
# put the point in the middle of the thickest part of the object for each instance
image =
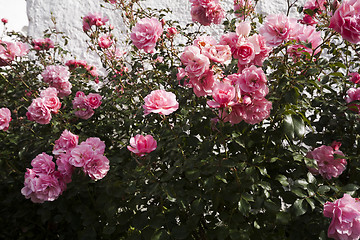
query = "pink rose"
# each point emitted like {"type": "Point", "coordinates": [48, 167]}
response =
{"type": "Point", "coordinates": [354, 77]}
{"type": "Point", "coordinates": [43, 163]}
{"type": "Point", "coordinates": [55, 74]}
{"type": "Point", "coordinates": [328, 166]}
{"type": "Point", "coordinates": [161, 102]}
{"type": "Point", "coordinates": [308, 20]}
{"type": "Point", "coordinates": [80, 155]}
{"type": "Point", "coordinates": [276, 29]}
{"type": "Point", "coordinates": [218, 53]}
{"type": "Point", "coordinates": [223, 94]}
{"type": "Point", "coordinates": [93, 100]}
{"type": "Point", "coordinates": [140, 145]}
{"type": "Point", "coordinates": [261, 49]}
{"type": "Point", "coordinates": [80, 104]}
{"type": "Point", "coordinates": [4, 20]}
{"type": "Point", "coordinates": [207, 12]}
{"type": "Point", "coordinates": [93, 19]}
{"type": "Point", "coordinates": [345, 214]}
{"type": "Point", "coordinates": [51, 100]}
{"type": "Point", "coordinates": [105, 41]}
{"type": "Point", "coordinates": [244, 51]}
{"type": "Point", "coordinates": [171, 32]}
{"type": "Point", "coordinates": [97, 167]}
{"type": "Point", "coordinates": [96, 144]}
{"type": "Point", "coordinates": [318, 5]}
{"type": "Point", "coordinates": [346, 21]}
{"type": "Point", "coordinates": [243, 29]}
{"type": "Point", "coordinates": [5, 118]}
{"type": "Point", "coordinates": [353, 94]}
{"type": "Point", "coordinates": [235, 116]}
{"type": "Point", "coordinates": [204, 41]}
{"type": "Point", "coordinates": [204, 84]}
{"type": "Point", "coordinates": [42, 44]}
{"type": "Point", "coordinates": [146, 33]}
{"type": "Point", "coordinates": [39, 112]}
{"type": "Point", "coordinates": [12, 50]}
{"type": "Point", "coordinates": [67, 141]}
{"type": "Point", "coordinates": [253, 82]}
{"type": "Point", "coordinates": [64, 167]}
{"type": "Point", "coordinates": [257, 111]}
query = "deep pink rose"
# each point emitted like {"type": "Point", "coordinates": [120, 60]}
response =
{"type": "Point", "coordinates": [42, 44]}
{"type": "Point", "coordinates": [4, 20]}
{"type": "Point", "coordinates": [39, 112]}
{"type": "Point", "coordinates": [328, 165]}
{"type": "Point", "coordinates": [140, 145]}
{"type": "Point", "coordinates": [96, 144]}
{"type": "Point", "coordinates": [97, 167]}
{"type": "Point", "coordinates": [81, 154]}
{"type": "Point", "coordinates": [354, 77]}
{"type": "Point", "coordinates": [146, 33]}
{"type": "Point", "coordinates": [318, 5]}
{"type": "Point", "coordinates": [308, 20]}
{"type": "Point", "coordinates": [161, 102]}
{"type": "Point", "coordinates": [223, 94]}
{"type": "Point", "coordinates": [346, 21]}
{"type": "Point", "coordinates": [80, 104]}
{"type": "Point", "coordinates": [43, 163]}
{"type": "Point", "coordinates": [345, 214]}
{"type": "Point", "coordinates": [276, 29]}
{"type": "Point", "coordinates": [67, 141]}
{"type": "Point", "coordinates": [93, 100]}
{"type": "Point", "coordinates": [244, 51]}
{"type": "Point", "coordinates": [105, 41]}
{"type": "Point", "coordinates": [171, 32]}
{"type": "Point", "coordinates": [5, 118]}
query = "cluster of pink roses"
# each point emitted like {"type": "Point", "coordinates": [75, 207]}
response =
{"type": "Point", "coordinates": [45, 182]}
{"type": "Point", "coordinates": [5, 118]}
{"type": "Point", "coordinates": [207, 12]}
{"type": "Point", "coordinates": [146, 33]}
{"type": "Point", "coordinates": [93, 19]}
{"type": "Point", "coordinates": [10, 50]}
{"type": "Point", "coordinates": [42, 107]}
{"type": "Point", "coordinates": [72, 64]}
{"type": "Point", "coordinates": [328, 165]}
{"type": "Point", "coordinates": [345, 215]}
{"type": "Point", "coordinates": [140, 145]}
{"type": "Point", "coordinates": [316, 6]}
{"type": "Point", "coordinates": [42, 44]}
{"type": "Point", "coordinates": [85, 105]}
{"type": "Point", "coordinates": [57, 76]}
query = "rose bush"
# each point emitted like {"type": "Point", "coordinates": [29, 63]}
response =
{"type": "Point", "coordinates": [243, 130]}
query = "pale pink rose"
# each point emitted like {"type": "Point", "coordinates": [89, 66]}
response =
{"type": "Point", "coordinates": [243, 29]}
{"type": "Point", "coordinates": [243, 8]}
{"type": "Point", "coordinates": [218, 53]}
{"type": "Point", "coordinates": [93, 100]}
{"type": "Point", "coordinates": [51, 100]}
{"type": "Point", "coordinates": [105, 41]}
{"type": "Point", "coordinates": [140, 145]}
{"type": "Point", "coordinates": [244, 51]}
{"type": "Point", "coordinates": [97, 167]}
{"type": "Point", "coordinates": [41, 187]}
{"type": "Point", "coordinates": [223, 95]}
{"type": "Point", "coordinates": [328, 165]}
{"type": "Point", "coordinates": [253, 82]}
{"type": "Point", "coordinates": [346, 20]}
{"type": "Point", "coordinates": [230, 39]}
{"type": "Point", "coordinates": [318, 5]}
{"type": "Point", "coordinates": [345, 214]}
{"type": "Point", "coordinates": [146, 33]}
{"type": "Point", "coordinates": [308, 34]}
{"type": "Point", "coordinates": [181, 73]}
{"type": "Point", "coordinates": [10, 50]}
{"type": "Point", "coordinates": [204, 41]}
{"type": "Point", "coordinates": [198, 65]}
{"type": "Point", "coordinates": [39, 112]}
{"type": "Point", "coordinates": [276, 29]}
{"type": "Point", "coordinates": [96, 144]}
{"type": "Point", "coordinates": [262, 51]}
{"type": "Point", "coordinates": [207, 12]}
{"type": "Point", "coordinates": [43, 163]}
{"type": "Point", "coordinates": [67, 141]}
{"type": "Point", "coordinates": [42, 44]}
{"type": "Point", "coordinates": [354, 77]}
{"type": "Point", "coordinates": [203, 85]}
{"type": "Point", "coordinates": [81, 154]}
{"type": "Point", "coordinates": [64, 88]}
{"type": "Point", "coordinates": [189, 54]}
{"type": "Point", "coordinates": [55, 74]}
{"type": "Point", "coordinates": [257, 111]}
{"type": "Point", "coordinates": [93, 19]}
{"type": "Point", "coordinates": [5, 118]}
{"type": "Point", "coordinates": [161, 102]}
{"type": "Point", "coordinates": [64, 167]}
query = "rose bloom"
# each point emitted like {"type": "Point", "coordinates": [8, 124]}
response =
{"type": "Point", "coordinates": [64, 168]}
{"type": "Point", "coordinates": [253, 81]}
{"type": "Point", "coordinates": [80, 103]}
{"type": "Point", "coordinates": [346, 21]}
{"type": "Point", "coordinates": [64, 88]}
{"type": "Point", "coordinates": [51, 100]}
{"type": "Point", "coordinates": [55, 74]}
{"type": "Point", "coordinates": [96, 144]}
{"type": "Point", "coordinates": [207, 12]}
{"type": "Point", "coordinates": [81, 154]}
{"type": "Point", "coordinates": [328, 166]}
{"type": "Point", "coordinates": [354, 77]}
{"type": "Point", "coordinates": [257, 111]}
{"type": "Point", "coordinates": [353, 94]}
{"type": "Point", "coordinates": [146, 33]}
{"type": "Point", "coordinates": [318, 5]}
{"type": "Point", "coordinates": [43, 163]}
{"type": "Point", "coordinates": [308, 20]}
{"type": "Point", "coordinates": [42, 44]}
{"type": "Point", "coordinates": [93, 100]}
{"type": "Point", "coordinates": [218, 53]}
{"type": "Point", "coordinates": [345, 214]}
{"type": "Point", "coordinates": [204, 84]}
{"type": "Point", "coordinates": [161, 102]}
{"type": "Point", "coordinates": [261, 49]}
{"type": "Point", "coordinates": [243, 29]}
{"type": "Point", "coordinates": [140, 145]}
{"type": "Point", "coordinates": [67, 141]}
{"type": "Point", "coordinates": [97, 167]}
{"type": "Point", "coordinates": [4, 20]}
{"type": "Point", "coordinates": [105, 41]}
{"type": "Point", "coordinates": [204, 41]}
{"type": "Point", "coordinates": [276, 29]}
{"type": "Point", "coordinates": [41, 187]}
{"type": "Point", "coordinates": [5, 118]}
{"type": "Point", "coordinates": [39, 112]}
{"type": "Point", "coordinates": [11, 50]}
{"type": "Point", "coordinates": [244, 51]}
{"type": "Point", "coordinates": [223, 94]}
{"type": "Point", "coordinates": [93, 19]}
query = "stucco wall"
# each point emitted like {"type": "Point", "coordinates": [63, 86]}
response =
{"type": "Point", "coordinates": [68, 15]}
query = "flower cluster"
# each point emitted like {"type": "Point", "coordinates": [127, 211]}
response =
{"type": "Point", "coordinates": [207, 12]}
{"type": "Point", "coordinates": [140, 145]}
{"type": "Point", "coordinates": [46, 181]}
{"type": "Point", "coordinates": [10, 50]}
{"type": "Point", "coordinates": [316, 7]}
{"type": "Point", "coordinates": [146, 33]}
{"type": "Point", "coordinates": [72, 64]}
{"type": "Point", "coordinates": [85, 105]}
{"type": "Point", "coordinates": [93, 19]}
{"type": "Point", "coordinates": [328, 165]}
{"type": "Point", "coordinates": [5, 118]}
{"type": "Point", "coordinates": [42, 107]}
{"type": "Point", "coordinates": [57, 76]}
{"type": "Point", "coordinates": [345, 215]}
{"type": "Point", "coordinates": [42, 44]}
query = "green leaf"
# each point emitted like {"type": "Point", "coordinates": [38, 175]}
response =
{"type": "Point", "coordinates": [299, 207]}
{"type": "Point", "coordinates": [244, 206]}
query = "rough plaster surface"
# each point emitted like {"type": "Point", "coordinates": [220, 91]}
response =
{"type": "Point", "coordinates": [68, 15]}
